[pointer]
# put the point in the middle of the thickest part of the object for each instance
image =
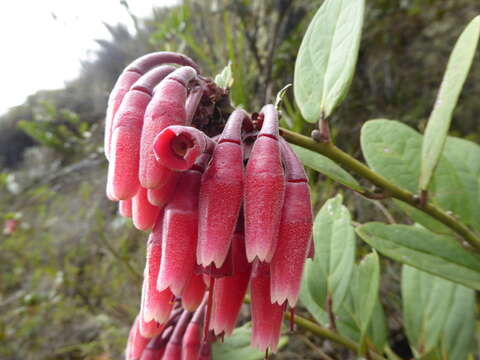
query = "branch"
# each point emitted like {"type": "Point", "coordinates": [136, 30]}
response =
{"type": "Point", "coordinates": [334, 153]}
{"type": "Point", "coordinates": [330, 335]}
{"type": "Point", "coordinates": [324, 332]}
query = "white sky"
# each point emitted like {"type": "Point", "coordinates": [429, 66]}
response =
{"type": "Point", "coordinates": [38, 51]}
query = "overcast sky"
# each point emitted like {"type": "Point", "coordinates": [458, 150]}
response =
{"type": "Point", "coordinates": [41, 42]}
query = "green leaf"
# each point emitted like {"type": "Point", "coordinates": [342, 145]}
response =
{"type": "Point", "coordinates": [465, 157]}
{"type": "Point", "coordinates": [393, 150]}
{"type": "Point", "coordinates": [225, 78]}
{"type": "Point", "coordinates": [351, 320]}
{"type": "Point", "coordinates": [459, 329]}
{"type": "Point", "coordinates": [424, 219]}
{"type": "Point", "coordinates": [328, 275]}
{"type": "Point", "coordinates": [327, 56]}
{"type": "Point", "coordinates": [437, 314]}
{"type": "Point", "coordinates": [237, 346]}
{"type": "Point", "coordinates": [326, 167]}
{"type": "Point", "coordinates": [457, 69]}
{"type": "Point", "coordinates": [436, 254]}
{"type": "Point", "coordinates": [281, 95]}
{"type": "Point", "coordinates": [365, 290]}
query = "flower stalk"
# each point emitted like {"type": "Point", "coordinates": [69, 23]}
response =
{"type": "Point", "coordinates": [334, 153]}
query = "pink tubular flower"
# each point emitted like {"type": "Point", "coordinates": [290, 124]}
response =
{"type": "Point", "coordinates": [221, 194]}
{"type": "Point", "coordinates": [177, 147]}
{"type": "Point", "coordinates": [136, 342]}
{"type": "Point", "coordinates": [193, 293]}
{"type": "Point", "coordinates": [126, 131]}
{"type": "Point", "coordinates": [161, 195]}
{"type": "Point", "coordinates": [166, 108]}
{"type": "Point", "coordinates": [266, 317]}
{"type": "Point", "coordinates": [229, 291]}
{"type": "Point", "coordinates": [180, 231]}
{"type": "Point", "coordinates": [295, 232]}
{"type": "Point", "coordinates": [264, 190]}
{"type": "Point", "coordinates": [156, 304]}
{"type": "Point", "coordinates": [125, 208]}
{"type": "Point", "coordinates": [129, 76]}
{"type": "Point", "coordinates": [144, 214]}
{"type": "Point", "coordinates": [227, 202]}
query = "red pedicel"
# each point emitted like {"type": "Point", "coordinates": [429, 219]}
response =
{"type": "Point", "coordinates": [192, 340]}
{"type": "Point", "coordinates": [193, 293]}
{"type": "Point", "coordinates": [166, 108]}
{"type": "Point", "coordinates": [126, 131]}
{"type": "Point", "coordinates": [144, 214]}
{"type": "Point", "coordinates": [266, 317]}
{"type": "Point", "coordinates": [130, 75]}
{"type": "Point", "coordinates": [157, 304]}
{"type": "Point", "coordinates": [221, 194]}
{"type": "Point", "coordinates": [295, 232]}
{"type": "Point", "coordinates": [264, 190]}
{"type": "Point", "coordinates": [178, 147]}
{"type": "Point", "coordinates": [173, 351]}
{"type": "Point", "coordinates": [136, 342]}
{"type": "Point", "coordinates": [180, 231]}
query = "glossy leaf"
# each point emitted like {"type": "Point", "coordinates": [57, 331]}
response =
{"type": "Point", "coordinates": [237, 346]}
{"type": "Point", "coordinates": [437, 128]}
{"type": "Point", "coordinates": [437, 314]}
{"type": "Point", "coordinates": [393, 150]}
{"type": "Point", "coordinates": [329, 274]}
{"type": "Point", "coordinates": [326, 167]}
{"type": "Point", "coordinates": [327, 56]}
{"type": "Point", "coordinates": [436, 254]}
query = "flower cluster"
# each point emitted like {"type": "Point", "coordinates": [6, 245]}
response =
{"type": "Point", "coordinates": [227, 203]}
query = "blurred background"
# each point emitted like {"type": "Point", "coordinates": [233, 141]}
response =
{"type": "Point", "coordinates": [70, 267]}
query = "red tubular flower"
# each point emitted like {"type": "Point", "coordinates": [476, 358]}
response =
{"type": "Point", "coordinates": [150, 328]}
{"type": "Point", "coordinates": [161, 195]}
{"type": "Point", "coordinates": [136, 342]}
{"type": "Point", "coordinates": [156, 347]}
{"type": "Point", "coordinates": [266, 317]}
{"type": "Point", "coordinates": [156, 304]}
{"type": "Point", "coordinates": [192, 340]}
{"type": "Point", "coordinates": [125, 208]}
{"type": "Point", "coordinates": [173, 351]}
{"type": "Point", "coordinates": [229, 291]}
{"type": "Point", "coordinates": [144, 214]}
{"type": "Point", "coordinates": [177, 147]}
{"type": "Point", "coordinates": [264, 190]}
{"type": "Point", "coordinates": [295, 232]}
{"type": "Point", "coordinates": [166, 108]}
{"type": "Point", "coordinates": [180, 231]}
{"type": "Point", "coordinates": [126, 131]}
{"type": "Point", "coordinates": [130, 75]}
{"type": "Point", "coordinates": [193, 293]}
{"type": "Point", "coordinates": [221, 194]}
